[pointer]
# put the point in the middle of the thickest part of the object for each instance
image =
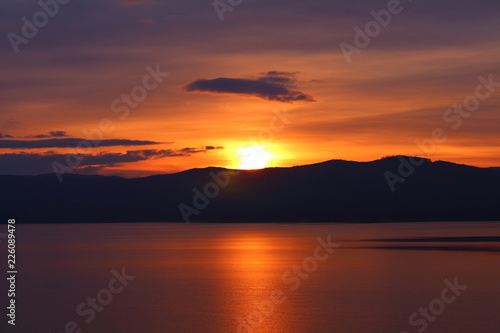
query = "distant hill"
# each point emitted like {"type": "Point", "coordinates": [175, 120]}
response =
{"type": "Point", "coordinates": [333, 191]}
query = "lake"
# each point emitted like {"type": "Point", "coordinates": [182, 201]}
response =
{"type": "Point", "coordinates": [343, 278]}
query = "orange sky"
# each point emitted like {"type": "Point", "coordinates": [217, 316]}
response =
{"type": "Point", "coordinates": [389, 96]}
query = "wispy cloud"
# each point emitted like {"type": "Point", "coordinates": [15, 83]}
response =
{"type": "Point", "coordinates": [58, 134]}
{"type": "Point", "coordinates": [55, 134]}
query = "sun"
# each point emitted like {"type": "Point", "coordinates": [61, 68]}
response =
{"type": "Point", "coordinates": [253, 157]}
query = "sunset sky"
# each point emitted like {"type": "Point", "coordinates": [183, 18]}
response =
{"type": "Point", "coordinates": [270, 75]}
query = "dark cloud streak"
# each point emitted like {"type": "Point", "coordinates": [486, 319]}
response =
{"type": "Point", "coordinates": [71, 142]}
{"type": "Point", "coordinates": [34, 164]}
{"type": "Point", "coordinates": [271, 86]}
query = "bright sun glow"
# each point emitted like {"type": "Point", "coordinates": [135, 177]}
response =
{"type": "Point", "coordinates": [253, 157]}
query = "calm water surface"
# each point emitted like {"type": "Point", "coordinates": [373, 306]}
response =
{"type": "Point", "coordinates": [208, 277]}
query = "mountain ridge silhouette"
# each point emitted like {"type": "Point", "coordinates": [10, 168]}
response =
{"type": "Point", "coordinates": [330, 191]}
